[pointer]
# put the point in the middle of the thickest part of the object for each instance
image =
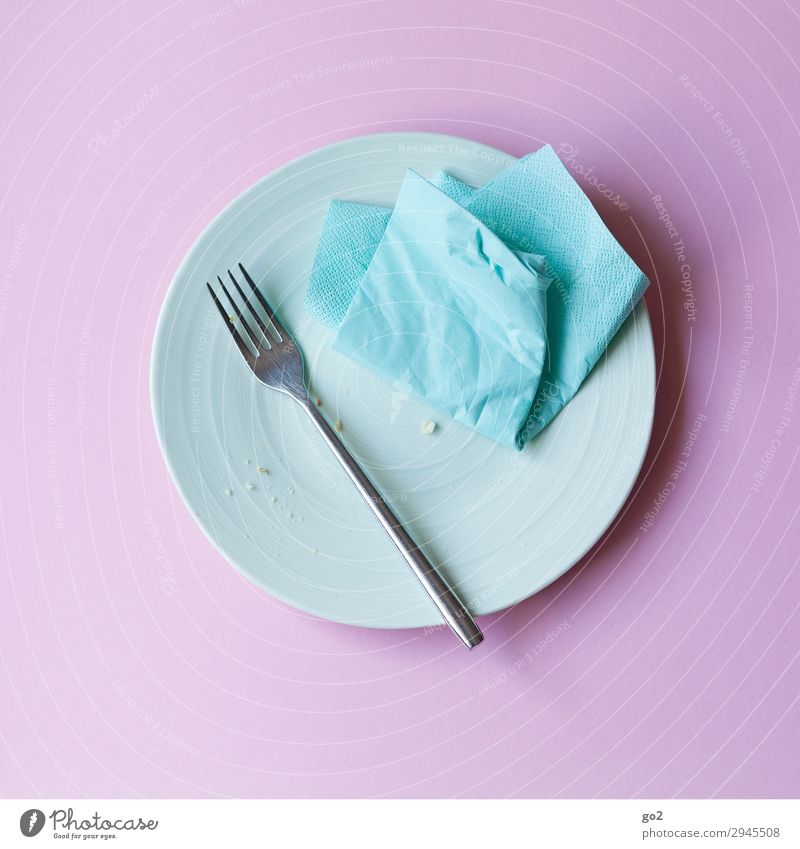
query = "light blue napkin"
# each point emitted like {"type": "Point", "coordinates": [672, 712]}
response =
{"type": "Point", "coordinates": [349, 238]}
{"type": "Point", "coordinates": [535, 207]}
{"type": "Point", "coordinates": [452, 312]}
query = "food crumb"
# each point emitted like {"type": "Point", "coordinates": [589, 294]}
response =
{"type": "Point", "coordinates": [228, 491]}
{"type": "Point", "coordinates": [263, 470]}
{"type": "Point", "coordinates": [249, 485]}
{"type": "Point", "coordinates": [316, 551]}
{"type": "Point", "coordinates": [273, 499]}
{"type": "Point", "coordinates": [337, 426]}
{"type": "Point", "coordinates": [428, 426]}
{"type": "Point", "coordinates": [319, 402]}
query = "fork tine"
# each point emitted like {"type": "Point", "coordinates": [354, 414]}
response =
{"type": "Point", "coordinates": [262, 327]}
{"type": "Point", "coordinates": [240, 343]}
{"type": "Point", "coordinates": [279, 328]}
{"type": "Point", "coordinates": [255, 340]}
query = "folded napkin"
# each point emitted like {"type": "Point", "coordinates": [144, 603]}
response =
{"type": "Point", "coordinates": [535, 207]}
{"type": "Point", "coordinates": [446, 307]}
{"type": "Point", "coordinates": [349, 238]}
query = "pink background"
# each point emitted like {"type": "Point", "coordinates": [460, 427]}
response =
{"type": "Point", "coordinates": [135, 661]}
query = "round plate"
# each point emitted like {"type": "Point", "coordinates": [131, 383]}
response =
{"type": "Point", "coordinates": [500, 524]}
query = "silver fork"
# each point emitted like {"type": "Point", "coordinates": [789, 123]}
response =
{"type": "Point", "coordinates": [277, 362]}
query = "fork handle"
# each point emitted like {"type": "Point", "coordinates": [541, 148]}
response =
{"type": "Point", "coordinates": [453, 611]}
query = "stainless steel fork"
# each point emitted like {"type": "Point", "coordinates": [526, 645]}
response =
{"type": "Point", "coordinates": [277, 362]}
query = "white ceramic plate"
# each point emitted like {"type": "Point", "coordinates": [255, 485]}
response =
{"type": "Point", "coordinates": [501, 524]}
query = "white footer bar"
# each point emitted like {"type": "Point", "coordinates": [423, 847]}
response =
{"type": "Point", "coordinates": [401, 824]}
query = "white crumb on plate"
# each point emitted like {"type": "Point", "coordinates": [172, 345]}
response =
{"type": "Point", "coordinates": [228, 491]}
{"type": "Point", "coordinates": [428, 426]}
{"type": "Point", "coordinates": [249, 485]}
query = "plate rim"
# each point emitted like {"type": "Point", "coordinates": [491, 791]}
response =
{"type": "Point", "coordinates": [160, 338]}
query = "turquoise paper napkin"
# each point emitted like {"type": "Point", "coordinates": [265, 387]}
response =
{"type": "Point", "coordinates": [449, 309]}
{"type": "Point", "coordinates": [535, 207]}
{"type": "Point", "coordinates": [350, 235]}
